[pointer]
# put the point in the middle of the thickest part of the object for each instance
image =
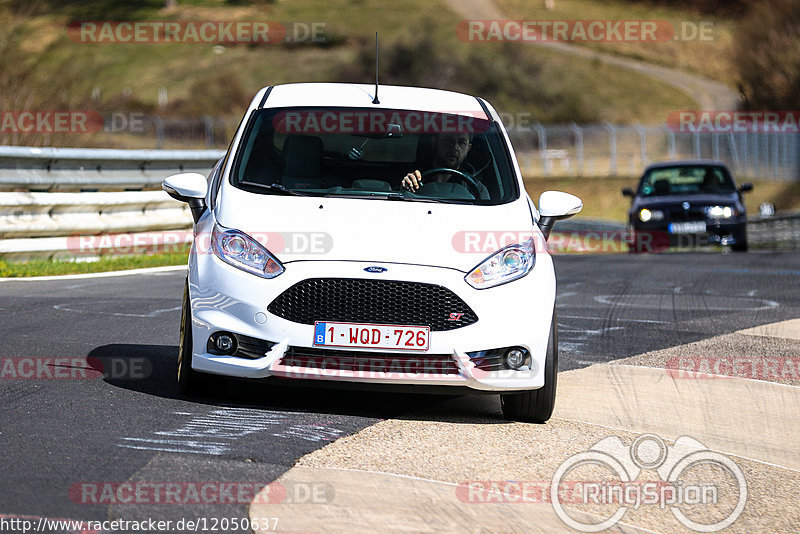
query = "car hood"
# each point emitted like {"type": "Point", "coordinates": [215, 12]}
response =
{"type": "Point", "coordinates": [296, 228]}
{"type": "Point", "coordinates": [677, 200]}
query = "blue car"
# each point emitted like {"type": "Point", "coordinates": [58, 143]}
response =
{"type": "Point", "coordinates": [687, 204]}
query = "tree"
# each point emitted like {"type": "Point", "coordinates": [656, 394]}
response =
{"type": "Point", "coordinates": [767, 56]}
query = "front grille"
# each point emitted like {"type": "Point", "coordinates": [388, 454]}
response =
{"type": "Point", "coordinates": [357, 300]}
{"type": "Point", "coordinates": [694, 213]}
{"type": "Point", "coordinates": [370, 362]}
{"type": "Point", "coordinates": [488, 360]}
{"type": "Point", "coordinates": [250, 347]}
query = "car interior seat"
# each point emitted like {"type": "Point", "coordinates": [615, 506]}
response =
{"type": "Point", "coordinates": [710, 181]}
{"type": "Point", "coordinates": [264, 164]}
{"type": "Point", "coordinates": [661, 187]}
{"type": "Point", "coordinates": [478, 163]}
{"type": "Point", "coordinates": [302, 162]}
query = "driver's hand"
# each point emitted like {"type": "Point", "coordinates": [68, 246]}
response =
{"type": "Point", "coordinates": [412, 181]}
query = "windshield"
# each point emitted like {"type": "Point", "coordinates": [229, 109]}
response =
{"type": "Point", "coordinates": [683, 180]}
{"type": "Point", "coordinates": [367, 153]}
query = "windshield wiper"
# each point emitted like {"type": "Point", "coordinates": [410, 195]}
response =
{"type": "Point", "coordinates": [282, 189]}
{"type": "Point", "coordinates": [380, 195]}
{"type": "Point", "coordinates": [401, 196]}
{"type": "Point", "coordinates": [404, 196]}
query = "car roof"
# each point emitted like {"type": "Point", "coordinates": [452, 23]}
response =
{"type": "Point", "coordinates": [685, 163]}
{"type": "Point", "coordinates": [349, 95]}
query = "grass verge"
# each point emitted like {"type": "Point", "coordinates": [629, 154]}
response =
{"type": "Point", "coordinates": [104, 264]}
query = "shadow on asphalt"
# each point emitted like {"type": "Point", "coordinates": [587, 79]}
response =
{"type": "Point", "coordinates": [152, 370]}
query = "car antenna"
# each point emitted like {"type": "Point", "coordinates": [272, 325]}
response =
{"type": "Point", "coordinates": [375, 100]}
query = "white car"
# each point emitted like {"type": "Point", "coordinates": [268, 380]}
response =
{"type": "Point", "coordinates": [317, 257]}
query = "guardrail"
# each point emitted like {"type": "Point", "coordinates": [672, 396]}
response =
{"type": "Point", "coordinates": [776, 232]}
{"type": "Point", "coordinates": [81, 169]}
{"type": "Point", "coordinates": [48, 196]}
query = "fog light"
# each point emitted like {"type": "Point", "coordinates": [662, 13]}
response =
{"type": "Point", "coordinates": [515, 358]}
{"type": "Point", "coordinates": [224, 343]}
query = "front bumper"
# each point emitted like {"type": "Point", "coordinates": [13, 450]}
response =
{"type": "Point", "coordinates": [658, 237]}
{"type": "Point", "coordinates": [515, 314]}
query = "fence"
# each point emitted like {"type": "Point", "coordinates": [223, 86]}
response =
{"type": "Point", "coordinates": [611, 150]}
{"type": "Point", "coordinates": [543, 150]}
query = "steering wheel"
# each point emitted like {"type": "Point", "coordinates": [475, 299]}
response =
{"type": "Point", "coordinates": [472, 185]}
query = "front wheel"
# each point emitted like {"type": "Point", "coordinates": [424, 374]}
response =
{"type": "Point", "coordinates": [536, 406]}
{"type": "Point", "coordinates": [741, 242]}
{"type": "Point", "coordinates": [190, 382]}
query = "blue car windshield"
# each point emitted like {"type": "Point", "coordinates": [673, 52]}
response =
{"type": "Point", "coordinates": [366, 153]}
{"type": "Point", "coordinates": [686, 180]}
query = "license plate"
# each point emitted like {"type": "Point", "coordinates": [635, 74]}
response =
{"type": "Point", "coordinates": [374, 336]}
{"type": "Point", "coordinates": [687, 227]}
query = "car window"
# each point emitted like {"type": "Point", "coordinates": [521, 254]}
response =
{"type": "Point", "coordinates": [367, 152]}
{"type": "Point", "coordinates": [682, 180]}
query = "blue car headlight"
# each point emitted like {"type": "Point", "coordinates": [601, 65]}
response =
{"type": "Point", "coordinates": [243, 252]}
{"type": "Point", "coordinates": [719, 212]}
{"type": "Point", "coordinates": [505, 265]}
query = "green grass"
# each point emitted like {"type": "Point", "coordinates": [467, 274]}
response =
{"type": "Point", "coordinates": [104, 264]}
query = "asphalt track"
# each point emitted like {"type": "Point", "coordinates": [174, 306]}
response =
{"type": "Point", "coordinates": [62, 437]}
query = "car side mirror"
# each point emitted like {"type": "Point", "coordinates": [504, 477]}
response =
{"type": "Point", "coordinates": [189, 187]}
{"type": "Point", "coordinates": [556, 206]}
{"type": "Point", "coordinates": [745, 187]}
{"type": "Point", "coordinates": [628, 192]}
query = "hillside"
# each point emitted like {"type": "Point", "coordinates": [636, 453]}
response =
{"type": "Point", "coordinates": [57, 69]}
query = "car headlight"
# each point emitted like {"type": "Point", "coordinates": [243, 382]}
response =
{"type": "Point", "coordinates": [242, 251]}
{"type": "Point", "coordinates": [719, 212]}
{"type": "Point", "coordinates": [505, 265]}
{"type": "Point", "coordinates": [650, 215]}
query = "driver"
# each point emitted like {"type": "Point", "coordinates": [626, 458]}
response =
{"type": "Point", "coordinates": [449, 151]}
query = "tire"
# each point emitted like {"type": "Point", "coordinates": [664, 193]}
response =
{"type": "Point", "coordinates": [741, 242]}
{"type": "Point", "coordinates": [536, 406]}
{"type": "Point", "coordinates": [190, 382]}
